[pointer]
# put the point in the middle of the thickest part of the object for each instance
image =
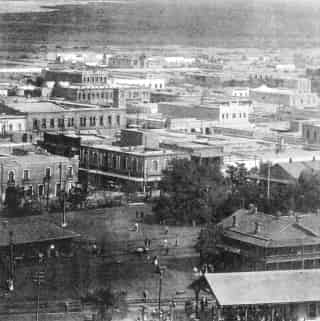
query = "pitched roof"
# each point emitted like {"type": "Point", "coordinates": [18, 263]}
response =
{"type": "Point", "coordinates": [265, 287]}
{"type": "Point", "coordinates": [274, 231]}
{"type": "Point", "coordinates": [32, 229]}
{"type": "Point", "coordinates": [295, 169]}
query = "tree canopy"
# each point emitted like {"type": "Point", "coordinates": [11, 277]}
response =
{"type": "Point", "coordinates": [191, 192]}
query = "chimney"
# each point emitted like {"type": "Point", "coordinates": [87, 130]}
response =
{"type": "Point", "coordinates": [234, 221]}
{"type": "Point", "coordinates": [257, 228]}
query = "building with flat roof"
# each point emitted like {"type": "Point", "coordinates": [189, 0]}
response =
{"type": "Point", "coordinates": [136, 164]}
{"type": "Point", "coordinates": [284, 97]}
{"type": "Point", "coordinates": [41, 175]}
{"type": "Point", "coordinates": [58, 116]}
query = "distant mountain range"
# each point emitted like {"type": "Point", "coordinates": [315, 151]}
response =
{"type": "Point", "coordinates": [233, 23]}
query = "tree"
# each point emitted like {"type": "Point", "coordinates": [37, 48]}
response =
{"type": "Point", "coordinates": [190, 192]}
{"type": "Point", "coordinates": [308, 191]}
{"type": "Point", "coordinates": [208, 240]}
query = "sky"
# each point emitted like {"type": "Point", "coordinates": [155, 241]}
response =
{"type": "Point", "coordinates": [250, 23]}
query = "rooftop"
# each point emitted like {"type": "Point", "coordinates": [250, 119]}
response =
{"type": "Point", "coordinates": [32, 229]}
{"type": "Point", "coordinates": [269, 90]}
{"type": "Point", "coordinates": [266, 287]}
{"type": "Point", "coordinates": [274, 231]}
{"type": "Point", "coordinates": [133, 150]}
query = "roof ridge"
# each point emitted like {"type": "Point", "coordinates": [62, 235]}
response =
{"type": "Point", "coordinates": [305, 229]}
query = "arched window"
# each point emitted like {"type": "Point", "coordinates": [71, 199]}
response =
{"type": "Point", "coordinates": [11, 176]}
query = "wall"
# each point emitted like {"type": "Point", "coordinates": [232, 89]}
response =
{"type": "Point", "coordinates": [37, 169]}
{"type": "Point", "coordinates": [112, 119]}
{"type": "Point", "coordinates": [185, 111]}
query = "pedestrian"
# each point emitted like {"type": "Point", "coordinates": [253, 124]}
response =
{"type": "Point", "coordinates": [155, 261]}
{"type": "Point", "coordinates": [145, 296]}
{"type": "Point", "coordinates": [136, 226]}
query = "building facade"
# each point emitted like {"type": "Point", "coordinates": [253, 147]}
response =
{"type": "Point", "coordinates": [41, 175]}
{"type": "Point", "coordinates": [143, 167]}
{"type": "Point", "coordinates": [252, 240]}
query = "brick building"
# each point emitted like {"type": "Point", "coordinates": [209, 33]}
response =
{"type": "Point", "coordinates": [102, 163]}
{"type": "Point", "coordinates": [40, 174]}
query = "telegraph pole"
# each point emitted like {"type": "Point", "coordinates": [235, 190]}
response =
{"type": "Point", "coordinates": [11, 262]}
{"type": "Point", "coordinates": [38, 279]}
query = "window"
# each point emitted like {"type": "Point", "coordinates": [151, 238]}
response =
{"type": "Point", "coordinates": [118, 119]}
{"type": "Point", "coordinates": [222, 116]}
{"type": "Point", "coordinates": [92, 121]}
{"type": "Point", "coordinates": [52, 123]}
{"type": "Point", "coordinates": [234, 115]}
{"type": "Point", "coordinates": [58, 189]}
{"type": "Point", "coordinates": [19, 127]}
{"type": "Point", "coordinates": [11, 176]}
{"type": "Point", "coordinates": [101, 120]}
{"type": "Point", "coordinates": [40, 190]}
{"type": "Point", "coordinates": [48, 172]}
{"type": "Point", "coordinates": [61, 123]}
{"type": "Point", "coordinates": [155, 165]}
{"type": "Point", "coordinates": [43, 123]}
{"type": "Point", "coordinates": [312, 310]}
{"type": "Point", "coordinates": [70, 171]}
{"type": "Point", "coordinates": [26, 174]}
{"type": "Point", "coordinates": [10, 127]}
{"type": "Point", "coordinates": [83, 121]}
{"type": "Point", "coordinates": [110, 120]}
{"type": "Point", "coordinates": [35, 124]}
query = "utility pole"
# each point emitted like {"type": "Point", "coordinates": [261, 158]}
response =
{"type": "Point", "coordinates": [268, 181]}
{"type": "Point", "coordinates": [38, 279]}
{"type": "Point", "coordinates": [11, 262]}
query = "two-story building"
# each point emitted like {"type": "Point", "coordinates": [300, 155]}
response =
{"type": "Point", "coordinates": [251, 240]}
{"type": "Point", "coordinates": [40, 174]}
{"type": "Point", "coordinates": [137, 164]}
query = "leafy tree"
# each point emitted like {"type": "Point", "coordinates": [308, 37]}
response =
{"type": "Point", "coordinates": [308, 191]}
{"type": "Point", "coordinates": [191, 192]}
{"type": "Point", "coordinates": [208, 240]}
